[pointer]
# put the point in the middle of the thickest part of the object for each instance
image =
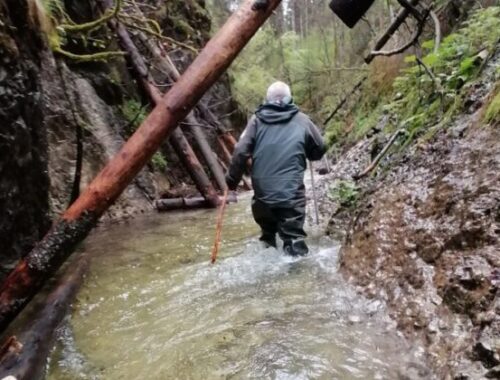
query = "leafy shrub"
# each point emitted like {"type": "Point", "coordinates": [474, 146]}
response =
{"type": "Point", "coordinates": [425, 97]}
{"type": "Point", "coordinates": [159, 162]}
{"type": "Point", "coordinates": [134, 113]}
{"type": "Point", "coordinates": [493, 110]}
{"type": "Point", "coordinates": [346, 193]}
{"type": "Point", "coordinates": [432, 94]}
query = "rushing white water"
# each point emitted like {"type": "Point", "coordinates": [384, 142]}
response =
{"type": "Point", "coordinates": [154, 308]}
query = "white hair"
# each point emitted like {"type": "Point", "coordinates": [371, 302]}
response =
{"type": "Point", "coordinates": [277, 92]}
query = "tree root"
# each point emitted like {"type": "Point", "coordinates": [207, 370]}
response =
{"type": "Point", "coordinates": [159, 36]}
{"type": "Point", "coordinates": [89, 26]}
{"type": "Point", "coordinates": [101, 56]}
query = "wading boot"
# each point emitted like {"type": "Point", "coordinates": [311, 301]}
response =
{"type": "Point", "coordinates": [295, 247]}
{"type": "Point", "coordinates": [268, 240]}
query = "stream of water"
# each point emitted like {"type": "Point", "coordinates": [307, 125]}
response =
{"type": "Point", "coordinates": [153, 308]}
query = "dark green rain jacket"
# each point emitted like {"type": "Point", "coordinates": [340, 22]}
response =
{"type": "Point", "coordinates": [279, 139]}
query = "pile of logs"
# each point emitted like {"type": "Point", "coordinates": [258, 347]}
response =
{"type": "Point", "coordinates": [142, 72]}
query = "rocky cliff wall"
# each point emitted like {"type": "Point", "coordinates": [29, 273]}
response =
{"type": "Point", "coordinates": [63, 119]}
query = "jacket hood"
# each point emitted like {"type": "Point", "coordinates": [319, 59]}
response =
{"type": "Point", "coordinates": [272, 113]}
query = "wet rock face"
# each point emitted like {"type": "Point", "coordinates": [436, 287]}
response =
{"type": "Point", "coordinates": [426, 238]}
{"type": "Point", "coordinates": [23, 146]}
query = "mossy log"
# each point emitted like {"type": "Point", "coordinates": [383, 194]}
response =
{"type": "Point", "coordinates": [75, 224]}
{"type": "Point", "coordinates": [25, 356]}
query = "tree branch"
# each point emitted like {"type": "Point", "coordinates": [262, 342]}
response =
{"type": "Point", "coordinates": [381, 155]}
{"type": "Point", "coordinates": [413, 41]}
{"type": "Point", "coordinates": [437, 27]}
{"type": "Point", "coordinates": [159, 36]}
{"type": "Point", "coordinates": [88, 26]}
{"type": "Point", "coordinates": [398, 21]}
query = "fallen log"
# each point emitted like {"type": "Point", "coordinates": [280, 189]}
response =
{"type": "Point", "coordinates": [75, 224]}
{"type": "Point", "coordinates": [225, 151]}
{"type": "Point", "coordinates": [229, 140]}
{"type": "Point", "coordinates": [225, 138]}
{"type": "Point", "coordinates": [25, 356]}
{"type": "Point", "coordinates": [178, 140]}
{"type": "Point", "coordinates": [188, 158]}
{"type": "Point", "coordinates": [208, 155]}
{"type": "Point", "coordinates": [381, 155]}
{"type": "Point", "coordinates": [188, 203]}
{"type": "Point", "coordinates": [168, 67]}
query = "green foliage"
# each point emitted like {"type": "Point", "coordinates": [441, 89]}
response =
{"type": "Point", "coordinates": [59, 29]}
{"type": "Point", "coordinates": [347, 193]}
{"type": "Point", "coordinates": [492, 114]}
{"type": "Point", "coordinates": [159, 162]}
{"type": "Point", "coordinates": [430, 100]}
{"type": "Point", "coordinates": [54, 8]}
{"type": "Point", "coordinates": [425, 97]}
{"type": "Point", "coordinates": [305, 62]}
{"type": "Point", "coordinates": [134, 113]}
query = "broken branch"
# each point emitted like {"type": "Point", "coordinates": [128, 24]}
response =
{"type": "Point", "coordinates": [412, 42]}
{"type": "Point", "coordinates": [381, 155]}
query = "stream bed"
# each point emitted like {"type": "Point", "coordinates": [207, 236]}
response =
{"type": "Point", "coordinates": [153, 307]}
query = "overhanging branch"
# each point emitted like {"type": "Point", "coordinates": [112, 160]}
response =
{"type": "Point", "coordinates": [413, 41]}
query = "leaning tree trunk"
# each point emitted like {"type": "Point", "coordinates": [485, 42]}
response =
{"type": "Point", "coordinates": [75, 224]}
{"type": "Point", "coordinates": [178, 139]}
{"type": "Point", "coordinates": [226, 140]}
{"type": "Point", "coordinates": [25, 356]}
{"type": "Point", "coordinates": [192, 123]}
{"type": "Point", "coordinates": [207, 153]}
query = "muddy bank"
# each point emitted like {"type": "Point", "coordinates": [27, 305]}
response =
{"type": "Point", "coordinates": [424, 237]}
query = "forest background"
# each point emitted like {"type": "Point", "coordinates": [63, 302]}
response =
{"type": "Point", "coordinates": [307, 46]}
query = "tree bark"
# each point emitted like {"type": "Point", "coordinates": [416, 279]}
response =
{"type": "Point", "coordinates": [188, 158]}
{"type": "Point", "coordinates": [208, 154]}
{"type": "Point", "coordinates": [75, 224]}
{"type": "Point", "coordinates": [230, 141]}
{"type": "Point", "coordinates": [225, 151]}
{"type": "Point", "coordinates": [25, 357]}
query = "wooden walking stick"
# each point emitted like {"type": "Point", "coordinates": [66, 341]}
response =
{"type": "Point", "coordinates": [315, 197]}
{"type": "Point", "coordinates": [218, 228]}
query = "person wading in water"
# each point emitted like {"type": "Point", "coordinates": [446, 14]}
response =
{"type": "Point", "coordinates": [279, 139]}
